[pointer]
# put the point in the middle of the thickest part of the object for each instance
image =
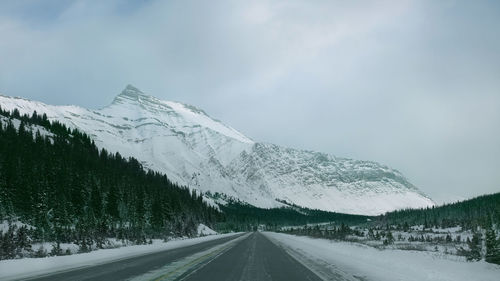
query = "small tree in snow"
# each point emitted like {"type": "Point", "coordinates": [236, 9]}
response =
{"type": "Point", "coordinates": [492, 247]}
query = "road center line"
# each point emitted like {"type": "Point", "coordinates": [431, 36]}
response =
{"type": "Point", "coordinates": [176, 269]}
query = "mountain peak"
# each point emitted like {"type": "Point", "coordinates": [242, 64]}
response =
{"type": "Point", "coordinates": [133, 102]}
{"type": "Point", "coordinates": [130, 93]}
{"type": "Point", "coordinates": [131, 89]}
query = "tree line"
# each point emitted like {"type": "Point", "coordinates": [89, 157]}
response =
{"type": "Point", "coordinates": [482, 211]}
{"type": "Point", "coordinates": [244, 217]}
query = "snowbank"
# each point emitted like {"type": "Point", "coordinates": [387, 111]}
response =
{"type": "Point", "coordinates": [23, 268]}
{"type": "Point", "coordinates": [360, 262]}
{"type": "Point", "coordinates": [204, 230]}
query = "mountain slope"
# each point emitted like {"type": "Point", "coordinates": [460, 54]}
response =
{"type": "Point", "coordinates": [196, 150]}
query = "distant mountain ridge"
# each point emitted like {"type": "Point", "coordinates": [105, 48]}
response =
{"type": "Point", "coordinates": [196, 150]}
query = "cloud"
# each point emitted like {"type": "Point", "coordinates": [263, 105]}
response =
{"type": "Point", "coordinates": [412, 84]}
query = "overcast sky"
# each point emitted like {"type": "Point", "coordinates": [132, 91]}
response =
{"type": "Point", "coordinates": [411, 84]}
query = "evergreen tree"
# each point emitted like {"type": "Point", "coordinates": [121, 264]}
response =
{"type": "Point", "coordinates": [389, 238]}
{"type": "Point", "coordinates": [474, 244]}
{"type": "Point", "coordinates": [448, 238]}
{"type": "Point", "coordinates": [492, 247]}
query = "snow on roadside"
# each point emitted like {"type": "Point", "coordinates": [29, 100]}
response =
{"type": "Point", "coordinates": [23, 268]}
{"type": "Point", "coordinates": [360, 262]}
{"type": "Point", "coordinates": [204, 230]}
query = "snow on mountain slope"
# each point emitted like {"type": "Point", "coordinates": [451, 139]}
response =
{"type": "Point", "coordinates": [195, 150]}
{"type": "Point", "coordinates": [319, 180]}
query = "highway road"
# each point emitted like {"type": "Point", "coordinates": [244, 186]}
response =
{"type": "Point", "coordinates": [244, 257]}
{"type": "Point", "coordinates": [254, 258]}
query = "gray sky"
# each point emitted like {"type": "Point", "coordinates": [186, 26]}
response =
{"type": "Point", "coordinates": [411, 84]}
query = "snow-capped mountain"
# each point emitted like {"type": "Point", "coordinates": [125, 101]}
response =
{"type": "Point", "coordinates": [196, 150]}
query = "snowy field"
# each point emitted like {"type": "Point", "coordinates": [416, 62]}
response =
{"type": "Point", "coordinates": [23, 268]}
{"type": "Point", "coordinates": [351, 261]}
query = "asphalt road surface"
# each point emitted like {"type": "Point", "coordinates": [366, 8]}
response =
{"type": "Point", "coordinates": [127, 268]}
{"type": "Point", "coordinates": [255, 258]}
{"type": "Point", "coordinates": [251, 257]}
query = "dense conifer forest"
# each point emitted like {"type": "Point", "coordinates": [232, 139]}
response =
{"type": "Point", "coordinates": [58, 182]}
{"type": "Point", "coordinates": [480, 211]}
{"type": "Point", "coordinates": [244, 217]}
